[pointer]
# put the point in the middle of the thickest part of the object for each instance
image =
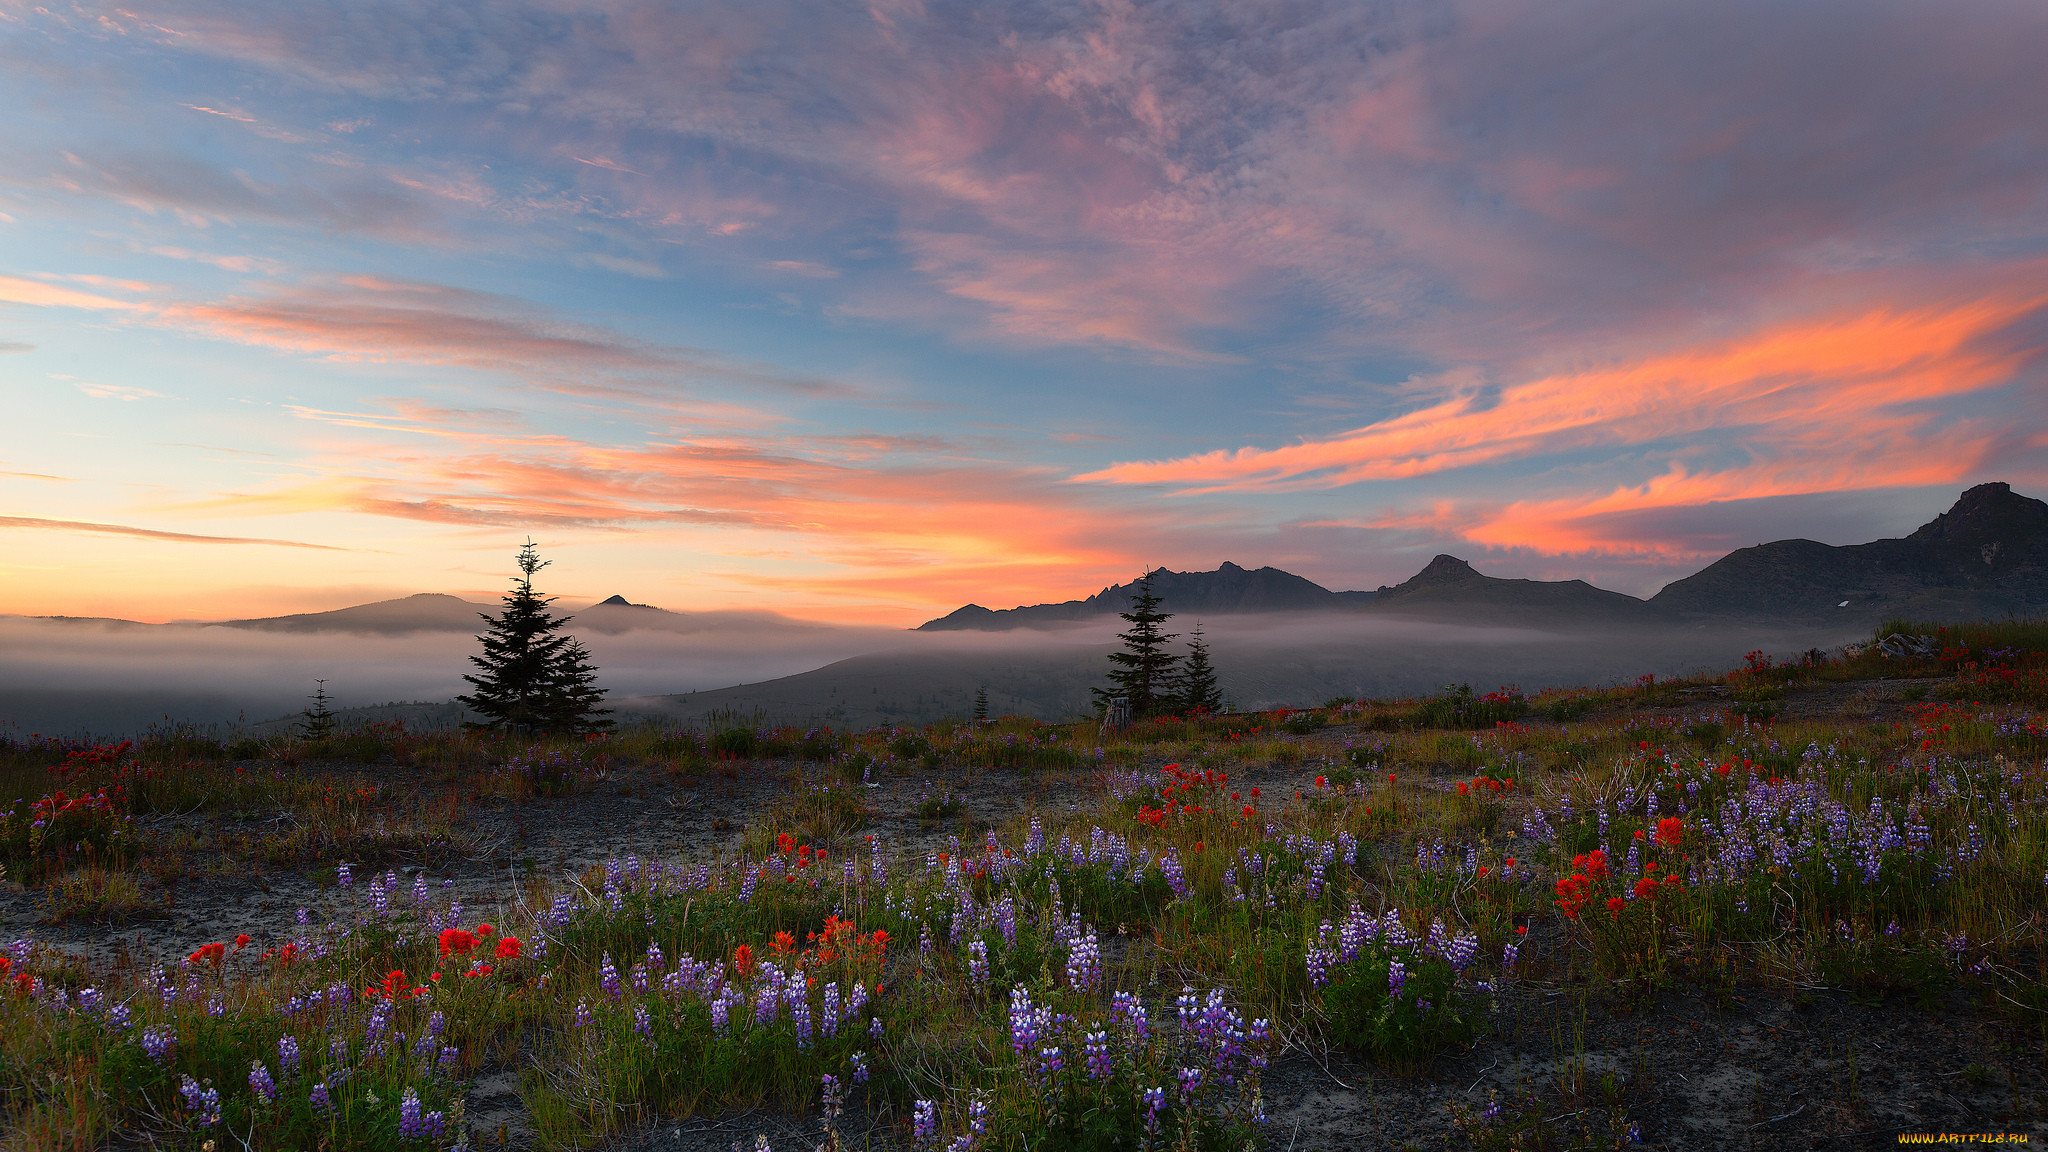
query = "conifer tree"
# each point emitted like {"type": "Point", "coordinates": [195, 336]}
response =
{"type": "Point", "coordinates": [981, 705]}
{"type": "Point", "coordinates": [1143, 672]}
{"type": "Point", "coordinates": [317, 722]}
{"type": "Point", "coordinates": [1197, 690]}
{"type": "Point", "coordinates": [530, 678]}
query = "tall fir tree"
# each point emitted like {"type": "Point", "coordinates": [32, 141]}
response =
{"type": "Point", "coordinates": [981, 705]}
{"type": "Point", "coordinates": [1197, 690]}
{"type": "Point", "coordinates": [1143, 672]}
{"type": "Point", "coordinates": [529, 677]}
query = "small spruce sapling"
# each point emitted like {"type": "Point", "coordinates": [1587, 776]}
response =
{"type": "Point", "coordinates": [318, 721]}
{"type": "Point", "coordinates": [1198, 690]}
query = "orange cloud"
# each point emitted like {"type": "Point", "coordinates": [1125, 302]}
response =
{"type": "Point", "coordinates": [14, 290]}
{"type": "Point", "coordinates": [1833, 386]}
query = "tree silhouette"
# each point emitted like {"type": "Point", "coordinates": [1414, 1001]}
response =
{"type": "Point", "coordinates": [529, 678]}
{"type": "Point", "coordinates": [1197, 690]}
{"type": "Point", "coordinates": [1143, 672]}
{"type": "Point", "coordinates": [317, 722]}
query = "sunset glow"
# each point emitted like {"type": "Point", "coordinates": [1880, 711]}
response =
{"type": "Point", "coordinates": [864, 312]}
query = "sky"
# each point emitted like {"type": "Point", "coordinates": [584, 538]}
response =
{"type": "Point", "coordinates": [859, 313]}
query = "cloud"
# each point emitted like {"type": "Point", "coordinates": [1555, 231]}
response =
{"type": "Point", "coordinates": [201, 191]}
{"type": "Point", "coordinates": [7, 346]}
{"type": "Point", "coordinates": [14, 290]}
{"type": "Point", "coordinates": [381, 320]}
{"type": "Point", "coordinates": [115, 391]}
{"type": "Point", "coordinates": [1819, 394]}
{"type": "Point", "coordinates": [149, 533]}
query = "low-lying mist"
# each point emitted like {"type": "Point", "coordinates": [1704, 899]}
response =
{"type": "Point", "coordinates": [1263, 661]}
{"type": "Point", "coordinates": [72, 677]}
{"type": "Point", "coordinates": [69, 677]}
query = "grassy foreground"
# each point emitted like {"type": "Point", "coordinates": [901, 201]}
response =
{"type": "Point", "coordinates": [1116, 976]}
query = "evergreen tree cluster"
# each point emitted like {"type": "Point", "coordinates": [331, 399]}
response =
{"type": "Point", "coordinates": [531, 679]}
{"type": "Point", "coordinates": [1151, 679]}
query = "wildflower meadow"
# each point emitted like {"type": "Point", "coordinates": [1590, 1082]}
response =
{"type": "Point", "coordinates": [1164, 937]}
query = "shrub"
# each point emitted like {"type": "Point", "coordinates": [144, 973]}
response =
{"type": "Point", "coordinates": [1396, 998]}
{"type": "Point", "coordinates": [735, 743]}
{"type": "Point", "coordinates": [1459, 708]}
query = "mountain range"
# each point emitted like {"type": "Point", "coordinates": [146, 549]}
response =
{"type": "Point", "coordinates": [1277, 639]}
{"type": "Point", "coordinates": [1986, 556]}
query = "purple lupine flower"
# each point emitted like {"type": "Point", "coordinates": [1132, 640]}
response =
{"type": "Point", "coordinates": [1126, 1008]}
{"type": "Point", "coordinates": [1154, 1100]}
{"type": "Point", "coordinates": [337, 1049]}
{"type": "Point", "coordinates": [924, 1122]}
{"type": "Point", "coordinates": [875, 1028]}
{"type": "Point", "coordinates": [639, 977]}
{"type": "Point", "coordinates": [203, 1101]}
{"type": "Point", "coordinates": [1397, 976]}
{"type": "Point", "coordinates": [117, 1016]}
{"type": "Point", "coordinates": [582, 1013]}
{"type": "Point", "coordinates": [288, 1055]}
{"type": "Point", "coordinates": [409, 1120]}
{"type": "Point", "coordinates": [608, 976]}
{"type": "Point", "coordinates": [977, 963]}
{"type": "Point", "coordinates": [1464, 946]}
{"type": "Point", "coordinates": [1027, 1022]}
{"type": "Point", "coordinates": [1176, 876]}
{"type": "Point", "coordinates": [449, 1056]}
{"type": "Point", "coordinates": [1050, 1060]}
{"type": "Point", "coordinates": [828, 1022]}
{"type": "Point", "coordinates": [158, 1040]}
{"type": "Point", "coordinates": [1508, 954]}
{"type": "Point", "coordinates": [322, 1103]}
{"type": "Point", "coordinates": [1190, 1082]}
{"type": "Point", "coordinates": [800, 1012]}
{"type": "Point", "coordinates": [834, 1097]}
{"type": "Point", "coordinates": [1084, 963]}
{"type": "Point", "coordinates": [858, 1063]}
{"type": "Point", "coordinates": [1096, 1045]}
{"type": "Point", "coordinates": [655, 960]}
{"type": "Point", "coordinates": [342, 879]}
{"type": "Point", "coordinates": [1319, 961]}
{"type": "Point", "coordinates": [261, 1083]}
{"type": "Point", "coordinates": [643, 1023]}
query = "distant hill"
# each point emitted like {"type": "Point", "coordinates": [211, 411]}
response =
{"type": "Point", "coordinates": [1986, 556]}
{"type": "Point", "coordinates": [1449, 587]}
{"type": "Point", "coordinates": [426, 612]}
{"type": "Point", "coordinates": [1228, 591]}
{"type": "Point", "coordinates": [438, 612]}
